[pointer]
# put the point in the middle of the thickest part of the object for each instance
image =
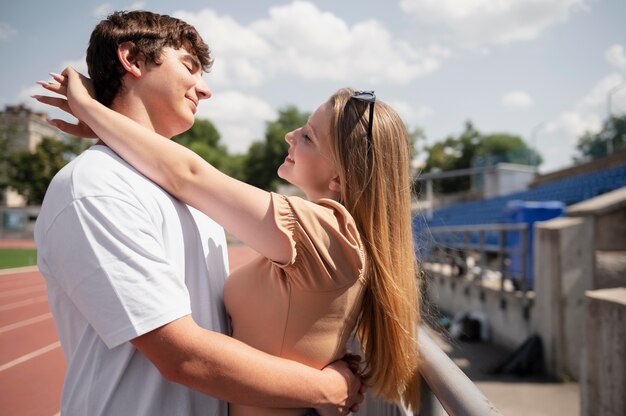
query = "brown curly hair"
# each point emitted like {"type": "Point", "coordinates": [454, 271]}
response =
{"type": "Point", "coordinates": [150, 33]}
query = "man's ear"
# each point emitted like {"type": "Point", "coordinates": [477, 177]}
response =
{"type": "Point", "coordinates": [335, 184]}
{"type": "Point", "coordinates": [128, 58]}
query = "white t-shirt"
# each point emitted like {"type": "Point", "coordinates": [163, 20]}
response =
{"type": "Point", "coordinates": [121, 257]}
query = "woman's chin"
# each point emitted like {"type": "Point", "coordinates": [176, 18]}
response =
{"type": "Point", "coordinates": [281, 172]}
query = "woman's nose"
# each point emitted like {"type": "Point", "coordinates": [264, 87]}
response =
{"type": "Point", "coordinates": [289, 138]}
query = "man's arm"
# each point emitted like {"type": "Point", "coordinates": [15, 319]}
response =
{"type": "Point", "coordinates": [230, 370]}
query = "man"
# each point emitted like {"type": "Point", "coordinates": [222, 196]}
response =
{"type": "Point", "coordinates": [134, 277]}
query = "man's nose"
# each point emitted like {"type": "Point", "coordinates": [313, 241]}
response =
{"type": "Point", "coordinates": [202, 89]}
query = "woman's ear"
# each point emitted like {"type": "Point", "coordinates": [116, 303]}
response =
{"type": "Point", "coordinates": [335, 184]}
{"type": "Point", "coordinates": [128, 58]}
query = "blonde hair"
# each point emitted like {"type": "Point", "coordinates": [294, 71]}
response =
{"type": "Point", "coordinates": [376, 190]}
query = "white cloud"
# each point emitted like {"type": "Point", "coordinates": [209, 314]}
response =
{"type": "Point", "coordinates": [517, 99]}
{"type": "Point", "coordinates": [410, 114]}
{"type": "Point", "coordinates": [78, 64]}
{"type": "Point", "coordinates": [596, 98]}
{"type": "Point", "coordinates": [302, 41]}
{"type": "Point", "coordinates": [138, 5]}
{"type": "Point", "coordinates": [102, 10]}
{"type": "Point", "coordinates": [239, 52]}
{"type": "Point", "coordinates": [239, 118]}
{"type": "Point", "coordinates": [105, 9]}
{"type": "Point", "coordinates": [615, 55]}
{"type": "Point", "coordinates": [6, 31]}
{"type": "Point", "coordinates": [477, 23]}
{"type": "Point", "coordinates": [573, 124]}
{"type": "Point", "coordinates": [24, 96]}
{"type": "Point", "coordinates": [557, 141]}
{"type": "Point", "coordinates": [588, 114]}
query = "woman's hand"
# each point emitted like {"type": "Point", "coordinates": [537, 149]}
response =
{"type": "Point", "coordinates": [351, 394]}
{"type": "Point", "coordinates": [79, 92]}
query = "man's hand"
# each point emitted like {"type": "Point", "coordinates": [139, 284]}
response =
{"type": "Point", "coordinates": [345, 388]}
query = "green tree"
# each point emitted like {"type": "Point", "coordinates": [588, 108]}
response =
{"type": "Point", "coordinates": [506, 148]}
{"type": "Point", "coordinates": [473, 149]}
{"type": "Point", "coordinates": [453, 153]}
{"type": "Point", "coordinates": [594, 146]}
{"type": "Point", "coordinates": [416, 137]}
{"type": "Point", "coordinates": [202, 131]}
{"type": "Point", "coordinates": [264, 157]}
{"type": "Point", "coordinates": [203, 138]}
{"type": "Point", "coordinates": [31, 173]}
{"type": "Point", "coordinates": [8, 136]}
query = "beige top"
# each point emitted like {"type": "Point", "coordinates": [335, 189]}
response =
{"type": "Point", "coordinates": [304, 310]}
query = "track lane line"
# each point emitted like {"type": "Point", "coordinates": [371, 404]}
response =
{"type": "Point", "coordinates": [26, 302]}
{"type": "Point", "coordinates": [29, 356]}
{"type": "Point", "coordinates": [21, 291]}
{"type": "Point", "coordinates": [16, 270]}
{"type": "Point", "coordinates": [25, 322]}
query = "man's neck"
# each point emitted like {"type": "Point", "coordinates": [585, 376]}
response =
{"type": "Point", "coordinates": [131, 108]}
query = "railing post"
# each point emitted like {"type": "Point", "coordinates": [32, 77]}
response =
{"type": "Point", "coordinates": [483, 256]}
{"type": "Point", "coordinates": [524, 279]}
{"type": "Point", "coordinates": [503, 268]}
{"type": "Point", "coordinates": [457, 394]}
{"type": "Point", "coordinates": [429, 405]}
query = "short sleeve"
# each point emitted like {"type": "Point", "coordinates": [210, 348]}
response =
{"type": "Point", "coordinates": [113, 268]}
{"type": "Point", "coordinates": [327, 253]}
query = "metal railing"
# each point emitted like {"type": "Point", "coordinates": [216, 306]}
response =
{"type": "Point", "coordinates": [453, 390]}
{"type": "Point", "coordinates": [444, 387]}
{"type": "Point", "coordinates": [508, 243]}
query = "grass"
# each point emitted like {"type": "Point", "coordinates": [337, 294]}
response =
{"type": "Point", "coordinates": [17, 257]}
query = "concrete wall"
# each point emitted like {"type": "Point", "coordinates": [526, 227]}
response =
{"type": "Point", "coordinates": [603, 381]}
{"type": "Point", "coordinates": [610, 269]}
{"type": "Point", "coordinates": [584, 251]}
{"type": "Point", "coordinates": [609, 213]}
{"type": "Point", "coordinates": [507, 325]}
{"type": "Point", "coordinates": [564, 267]}
{"type": "Point", "coordinates": [611, 231]}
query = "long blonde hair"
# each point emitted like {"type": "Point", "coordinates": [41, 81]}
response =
{"type": "Point", "coordinates": [376, 190]}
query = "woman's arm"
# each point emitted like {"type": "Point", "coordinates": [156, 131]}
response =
{"type": "Point", "coordinates": [242, 209]}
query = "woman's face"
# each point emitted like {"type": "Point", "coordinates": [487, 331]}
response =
{"type": "Point", "coordinates": [308, 164]}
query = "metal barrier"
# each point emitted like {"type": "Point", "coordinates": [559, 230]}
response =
{"type": "Point", "coordinates": [17, 223]}
{"type": "Point", "coordinates": [450, 247]}
{"type": "Point", "coordinates": [444, 387]}
{"type": "Point", "coordinates": [453, 390]}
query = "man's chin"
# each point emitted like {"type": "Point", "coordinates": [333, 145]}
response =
{"type": "Point", "coordinates": [182, 128]}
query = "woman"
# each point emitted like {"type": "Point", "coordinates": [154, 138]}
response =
{"type": "Point", "coordinates": [339, 261]}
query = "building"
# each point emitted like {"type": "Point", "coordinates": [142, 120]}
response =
{"type": "Point", "coordinates": [22, 129]}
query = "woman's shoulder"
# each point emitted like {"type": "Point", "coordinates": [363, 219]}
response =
{"type": "Point", "coordinates": [323, 206]}
{"type": "Point", "coordinates": [325, 221]}
{"type": "Point", "coordinates": [326, 240]}
{"type": "Point", "coordinates": [325, 212]}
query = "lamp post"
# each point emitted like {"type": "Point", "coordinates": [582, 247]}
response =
{"type": "Point", "coordinates": [533, 135]}
{"type": "Point", "coordinates": [609, 94]}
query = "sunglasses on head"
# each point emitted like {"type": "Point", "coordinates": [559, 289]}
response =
{"type": "Point", "coordinates": [367, 97]}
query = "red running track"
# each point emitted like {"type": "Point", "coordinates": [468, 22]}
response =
{"type": "Point", "coordinates": [32, 365]}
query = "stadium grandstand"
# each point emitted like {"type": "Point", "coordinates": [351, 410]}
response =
{"type": "Point", "coordinates": [569, 186]}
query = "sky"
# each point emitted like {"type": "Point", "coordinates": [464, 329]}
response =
{"type": "Point", "coordinates": [541, 69]}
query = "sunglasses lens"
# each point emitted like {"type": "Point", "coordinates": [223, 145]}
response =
{"type": "Point", "coordinates": [367, 97]}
